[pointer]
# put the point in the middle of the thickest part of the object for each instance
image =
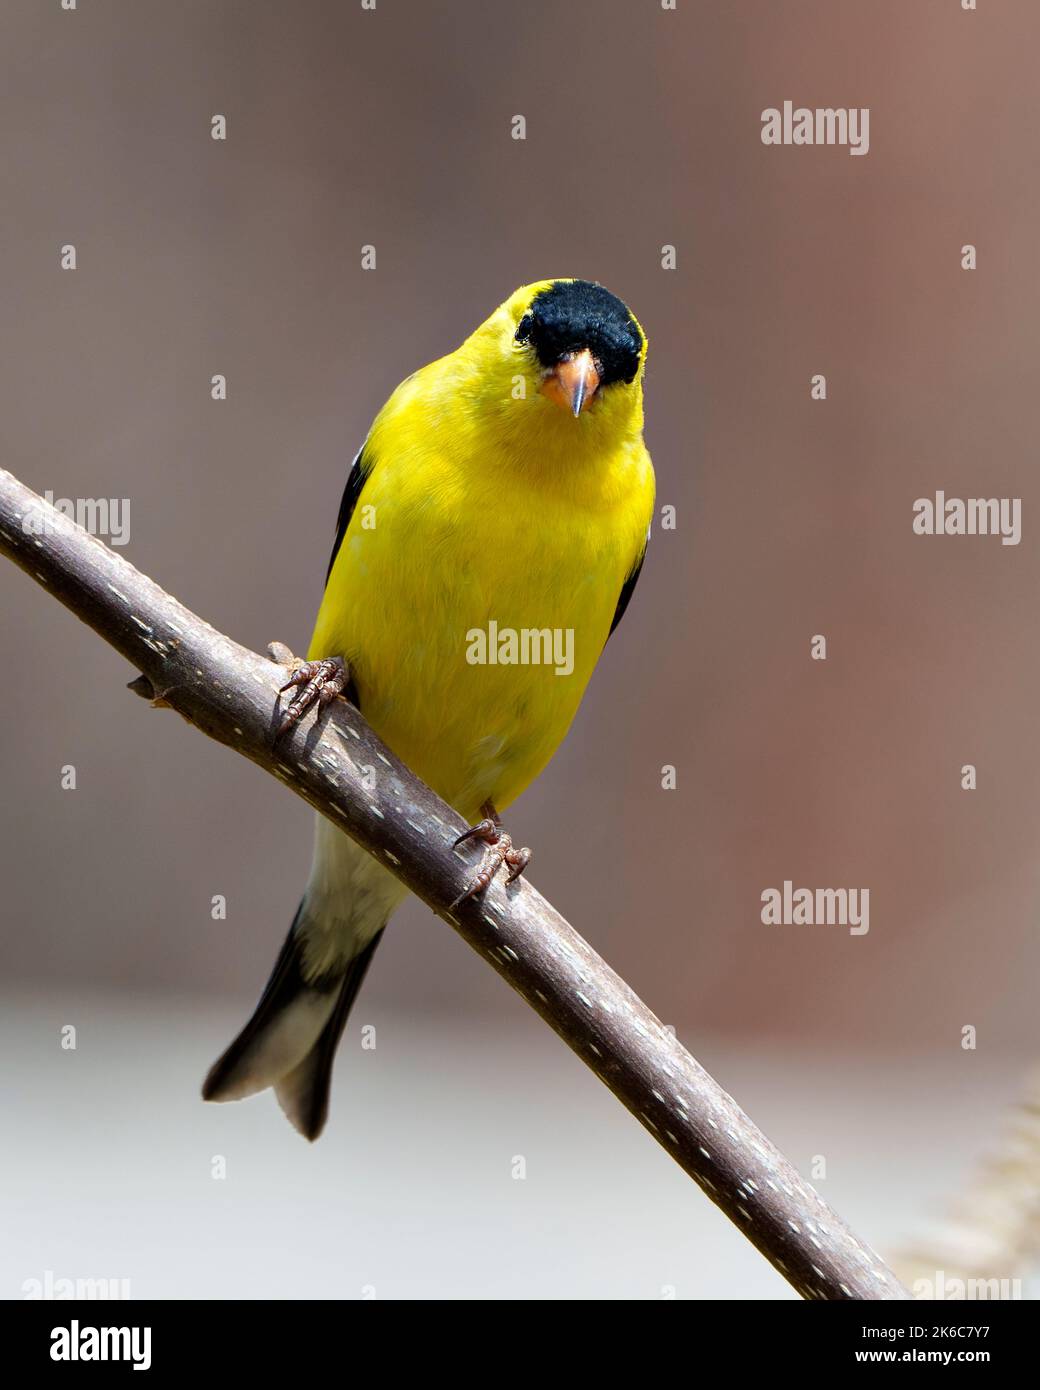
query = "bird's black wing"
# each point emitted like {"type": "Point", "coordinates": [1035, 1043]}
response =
{"type": "Point", "coordinates": [359, 471]}
{"type": "Point", "coordinates": [356, 479]}
{"type": "Point", "coordinates": [628, 588]}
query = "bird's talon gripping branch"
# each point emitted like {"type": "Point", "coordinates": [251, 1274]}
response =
{"type": "Point", "coordinates": [318, 681]}
{"type": "Point", "coordinates": [499, 850]}
{"type": "Point", "coordinates": [518, 860]}
{"type": "Point", "coordinates": [486, 829]}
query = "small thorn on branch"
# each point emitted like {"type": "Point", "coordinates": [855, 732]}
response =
{"type": "Point", "coordinates": [279, 652]}
{"type": "Point", "coordinates": [142, 686]}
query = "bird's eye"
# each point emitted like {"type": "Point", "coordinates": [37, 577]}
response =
{"type": "Point", "coordinates": [523, 331]}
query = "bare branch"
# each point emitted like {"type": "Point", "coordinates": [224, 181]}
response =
{"type": "Point", "coordinates": [230, 693]}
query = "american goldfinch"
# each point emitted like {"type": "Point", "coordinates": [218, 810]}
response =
{"type": "Point", "coordinates": [489, 539]}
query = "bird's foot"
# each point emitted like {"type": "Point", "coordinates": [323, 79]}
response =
{"type": "Point", "coordinates": [319, 683]}
{"type": "Point", "coordinates": [498, 850]}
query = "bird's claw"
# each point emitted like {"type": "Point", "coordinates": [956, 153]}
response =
{"type": "Point", "coordinates": [319, 683]}
{"type": "Point", "coordinates": [486, 829]}
{"type": "Point", "coordinates": [499, 850]}
{"type": "Point", "coordinates": [518, 860]}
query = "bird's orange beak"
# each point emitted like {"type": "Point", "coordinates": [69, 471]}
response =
{"type": "Point", "coordinates": [573, 382]}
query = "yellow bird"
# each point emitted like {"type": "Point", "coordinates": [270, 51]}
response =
{"type": "Point", "coordinates": [490, 535]}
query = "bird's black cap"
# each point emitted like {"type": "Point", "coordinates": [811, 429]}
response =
{"type": "Point", "coordinates": [573, 314]}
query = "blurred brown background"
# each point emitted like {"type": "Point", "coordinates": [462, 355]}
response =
{"type": "Point", "coordinates": [392, 127]}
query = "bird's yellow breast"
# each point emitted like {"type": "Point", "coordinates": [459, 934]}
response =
{"type": "Point", "coordinates": [476, 584]}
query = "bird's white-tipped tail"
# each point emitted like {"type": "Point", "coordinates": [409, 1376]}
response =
{"type": "Point", "coordinates": [290, 1041]}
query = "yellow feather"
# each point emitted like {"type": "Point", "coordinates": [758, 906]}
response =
{"type": "Point", "coordinates": [485, 502]}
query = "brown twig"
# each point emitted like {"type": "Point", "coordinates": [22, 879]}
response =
{"type": "Point", "coordinates": [231, 694]}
